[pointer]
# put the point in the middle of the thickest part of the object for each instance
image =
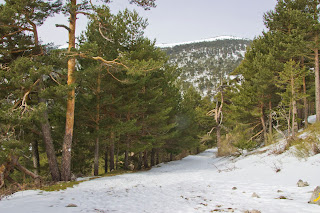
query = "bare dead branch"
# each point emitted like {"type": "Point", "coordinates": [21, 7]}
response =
{"type": "Point", "coordinates": [114, 62]}
{"type": "Point", "coordinates": [115, 77]}
{"type": "Point", "coordinates": [54, 79]}
{"type": "Point", "coordinates": [63, 26]}
{"type": "Point", "coordinates": [209, 133]}
{"type": "Point", "coordinates": [255, 135]}
{"type": "Point", "coordinates": [101, 33]}
{"type": "Point", "coordinates": [24, 99]}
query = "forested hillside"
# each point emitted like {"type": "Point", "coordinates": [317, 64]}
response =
{"type": "Point", "coordinates": [204, 63]}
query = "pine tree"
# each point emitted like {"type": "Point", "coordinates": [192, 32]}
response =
{"type": "Point", "coordinates": [257, 89]}
{"type": "Point", "coordinates": [296, 24]}
{"type": "Point", "coordinates": [74, 9]}
{"type": "Point", "coordinates": [27, 16]}
{"type": "Point", "coordinates": [291, 80]}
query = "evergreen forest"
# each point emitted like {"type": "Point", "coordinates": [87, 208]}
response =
{"type": "Point", "coordinates": [109, 102]}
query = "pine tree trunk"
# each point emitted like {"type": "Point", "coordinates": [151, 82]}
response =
{"type": "Point", "coordinates": [305, 103]}
{"type": "Point", "coordinates": [157, 157]}
{"type": "Point", "coordinates": [140, 161]}
{"type": "Point", "coordinates": [288, 121]}
{"type": "Point", "coordinates": [15, 162]}
{"type": "Point", "coordinates": [270, 123]}
{"type": "Point", "coordinates": [117, 157]}
{"type": "Point", "coordinates": [153, 155]}
{"type": "Point", "coordinates": [106, 153]}
{"type": "Point", "coordinates": [300, 115]}
{"type": "Point", "coordinates": [270, 118]}
{"type": "Point", "coordinates": [96, 149]}
{"type": "Point", "coordinates": [126, 155]}
{"type": "Point", "coordinates": [50, 151]}
{"type": "Point", "coordinates": [171, 156]}
{"type": "Point", "coordinates": [112, 152]}
{"type": "Point", "coordinates": [317, 81]}
{"type": "Point", "coordinates": [294, 108]}
{"type": "Point", "coordinates": [96, 158]}
{"type": "Point", "coordinates": [67, 141]}
{"type": "Point", "coordinates": [35, 157]}
{"type": "Point", "coordinates": [219, 142]}
{"type": "Point", "coordinates": [126, 160]}
{"type": "Point", "coordinates": [263, 123]}
{"type": "Point", "coordinates": [145, 159]}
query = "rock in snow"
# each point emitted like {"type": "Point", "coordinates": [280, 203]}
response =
{"type": "Point", "coordinates": [315, 197]}
{"type": "Point", "coordinates": [252, 211]}
{"type": "Point", "coordinates": [71, 205]}
{"type": "Point", "coordinates": [255, 195]}
{"type": "Point", "coordinates": [300, 183]}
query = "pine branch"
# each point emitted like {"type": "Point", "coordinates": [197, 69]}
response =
{"type": "Point", "coordinates": [11, 34]}
{"type": "Point", "coordinates": [83, 13]}
{"type": "Point", "coordinates": [17, 26]}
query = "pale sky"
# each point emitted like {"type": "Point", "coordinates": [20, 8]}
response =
{"type": "Point", "coordinates": [182, 20]}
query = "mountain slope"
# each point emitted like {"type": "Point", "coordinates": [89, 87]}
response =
{"type": "Point", "coordinates": [204, 62]}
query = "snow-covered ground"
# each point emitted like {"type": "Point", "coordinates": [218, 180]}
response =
{"type": "Point", "coordinates": [201, 183]}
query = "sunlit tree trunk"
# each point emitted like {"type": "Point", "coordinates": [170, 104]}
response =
{"type": "Point", "coordinates": [67, 141]}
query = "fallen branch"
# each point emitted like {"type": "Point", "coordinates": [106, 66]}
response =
{"type": "Point", "coordinates": [217, 168]}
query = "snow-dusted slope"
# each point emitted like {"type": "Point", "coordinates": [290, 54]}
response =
{"type": "Point", "coordinates": [204, 62]}
{"type": "Point", "coordinates": [201, 183]}
{"type": "Point", "coordinates": [199, 41]}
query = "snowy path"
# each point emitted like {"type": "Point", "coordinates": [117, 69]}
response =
{"type": "Point", "coordinates": [193, 184]}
